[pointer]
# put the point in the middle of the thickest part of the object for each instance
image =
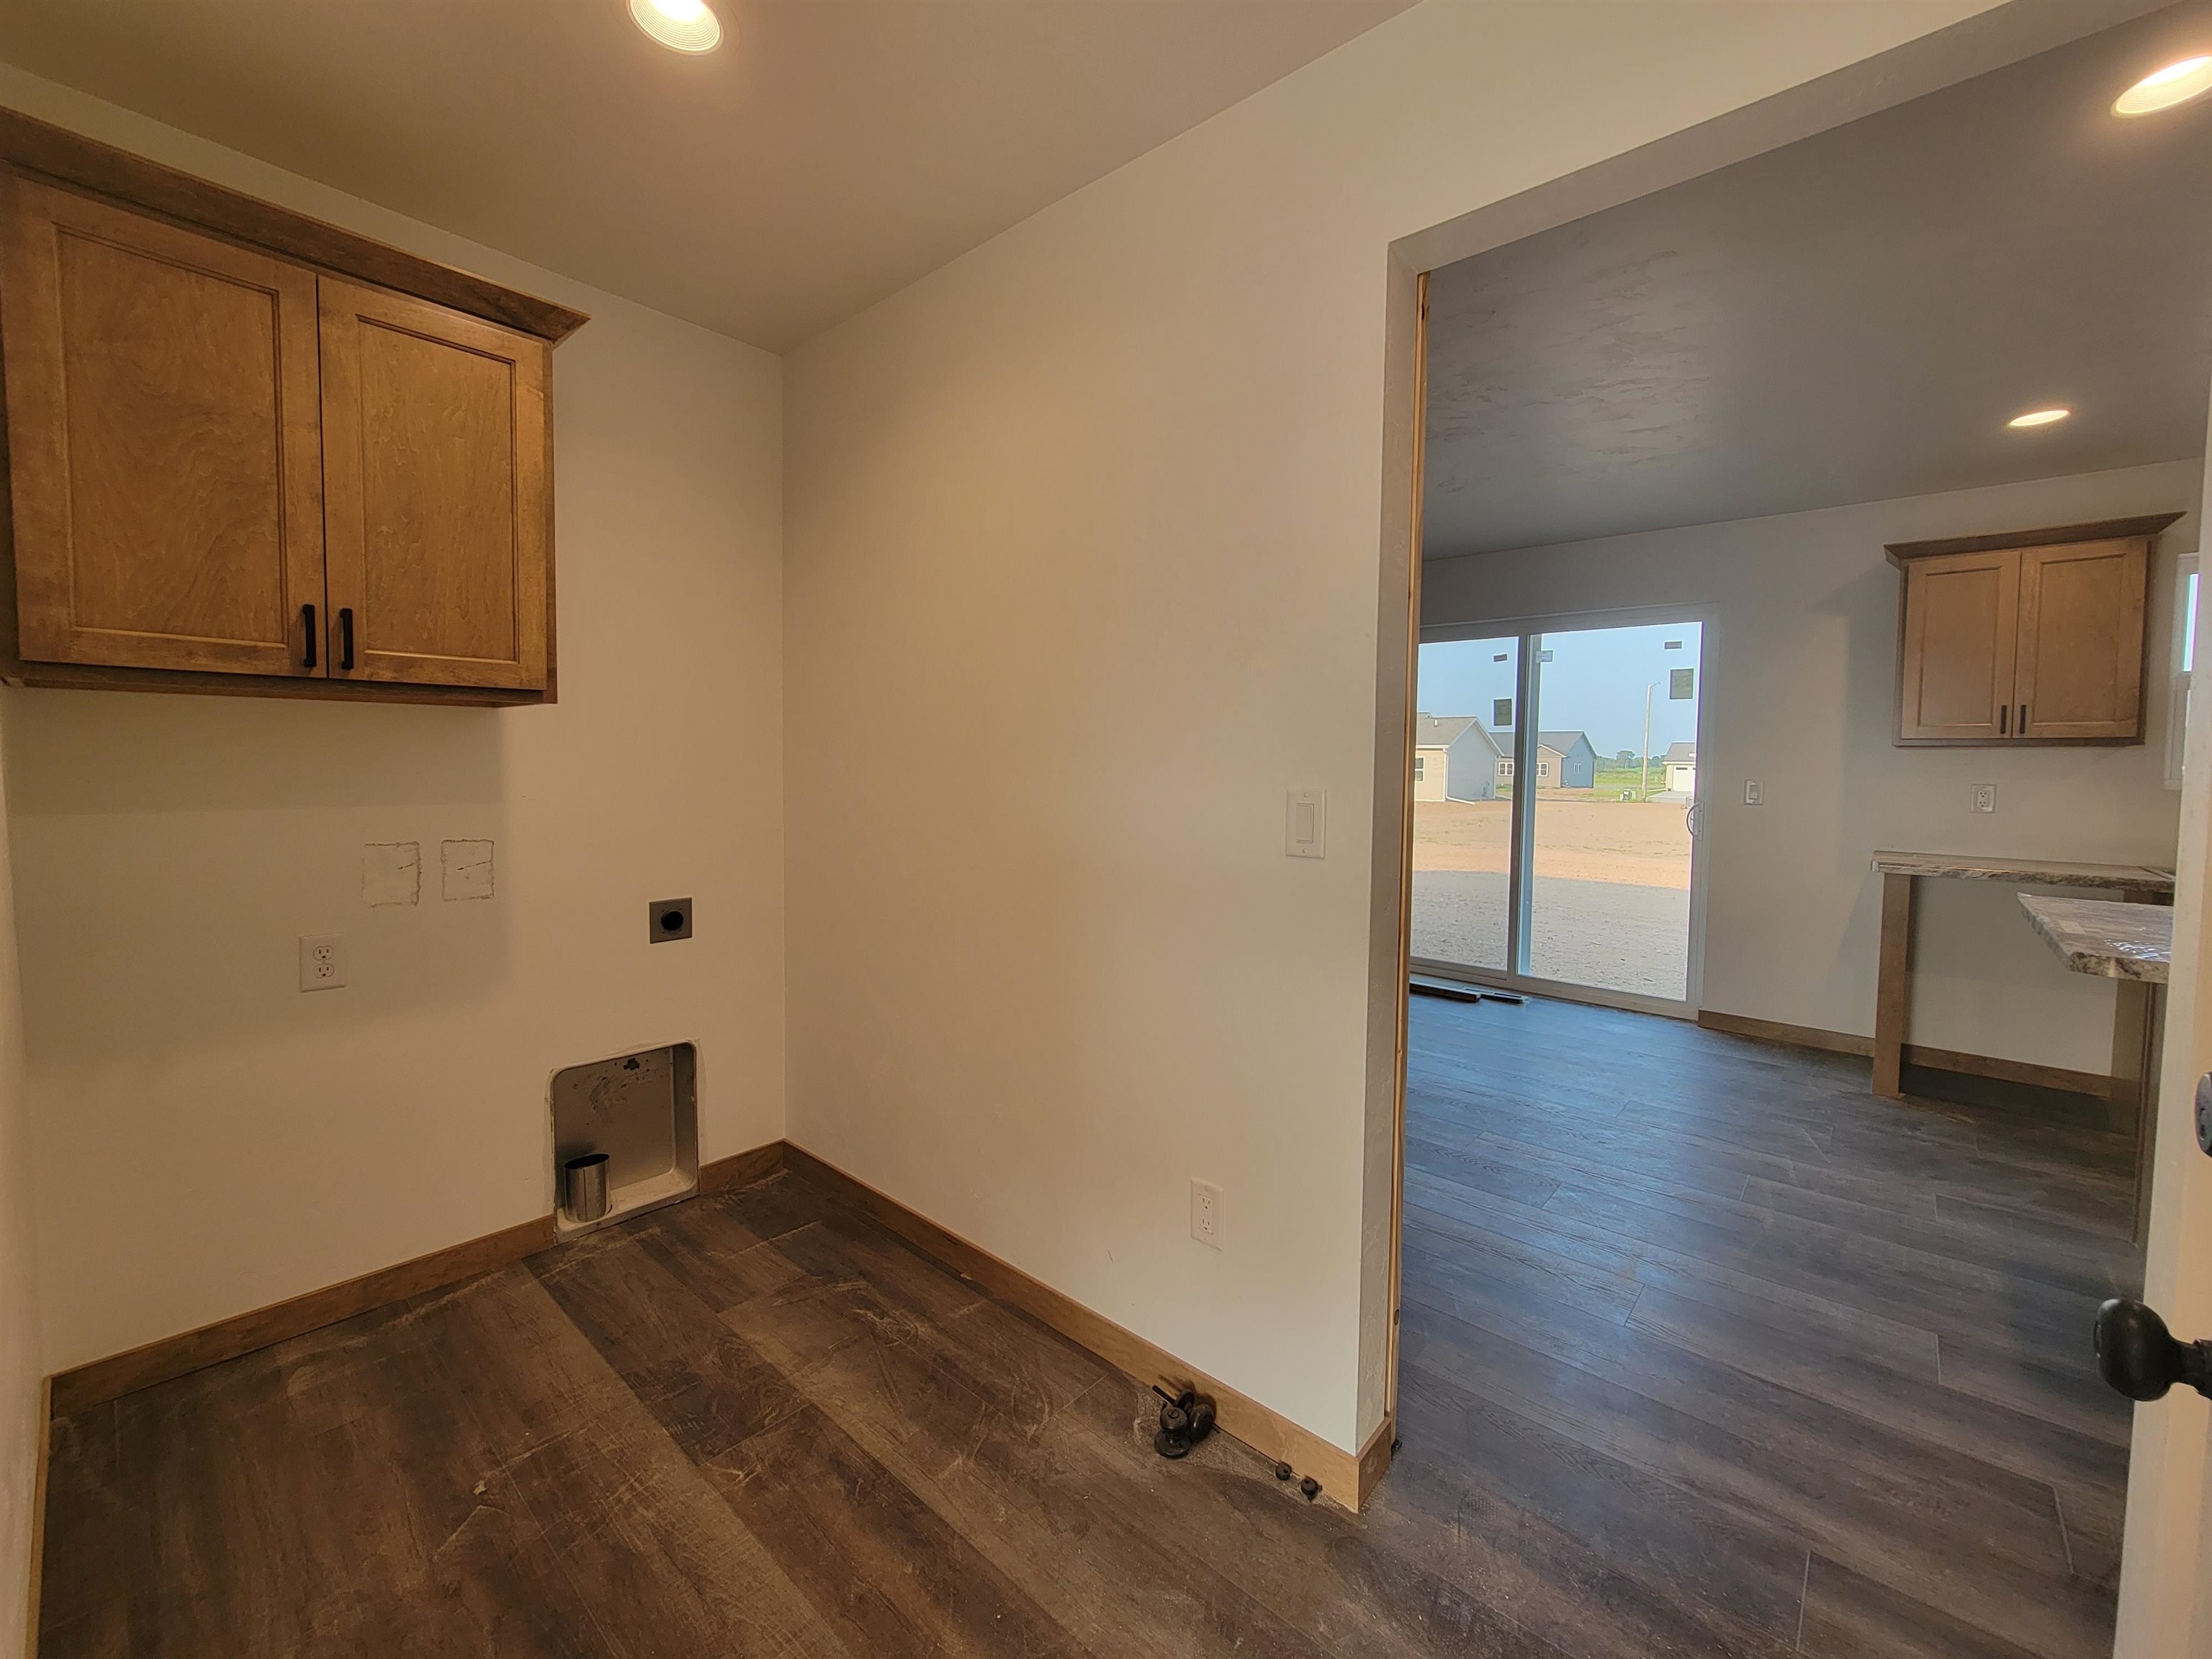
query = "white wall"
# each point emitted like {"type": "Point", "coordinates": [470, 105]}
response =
{"type": "Point", "coordinates": [1799, 692]}
{"type": "Point", "coordinates": [208, 1138]}
{"type": "Point", "coordinates": [22, 1417]}
{"type": "Point", "coordinates": [1090, 518]}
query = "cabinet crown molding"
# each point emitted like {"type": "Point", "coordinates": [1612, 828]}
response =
{"type": "Point", "coordinates": [2103, 529]}
{"type": "Point", "coordinates": [71, 159]}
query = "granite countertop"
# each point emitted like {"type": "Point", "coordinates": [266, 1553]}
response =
{"type": "Point", "coordinates": [2100, 936]}
{"type": "Point", "coordinates": [2045, 872]}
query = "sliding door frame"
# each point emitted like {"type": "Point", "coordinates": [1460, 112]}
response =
{"type": "Point", "coordinates": [1527, 691]}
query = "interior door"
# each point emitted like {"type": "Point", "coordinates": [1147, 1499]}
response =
{"type": "Point", "coordinates": [1462, 847]}
{"type": "Point", "coordinates": [1962, 620]}
{"type": "Point", "coordinates": [2080, 671]}
{"type": "Point", "coordinates": [1609, 843]}
{"type": "Point", "coordinates": [2165, 1567]}
{"type": "Point", "coordinates": [161, 401]}
{"type": "Point", "coordinates": [438, 485]}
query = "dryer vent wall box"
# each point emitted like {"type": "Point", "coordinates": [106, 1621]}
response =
{"type": "Point", "coordinates": [642, 1110]}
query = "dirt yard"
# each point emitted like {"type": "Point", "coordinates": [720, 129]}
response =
{"type": "Point", "coordinates": [1630, 843]}
{"type": "Point", "coordinates": [1611, 905]}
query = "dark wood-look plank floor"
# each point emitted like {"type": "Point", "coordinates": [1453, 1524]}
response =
{"type": "Point", "coordinates": [1707, 1352]}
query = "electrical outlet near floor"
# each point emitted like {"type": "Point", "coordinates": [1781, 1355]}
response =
{"type": "Point", "coordinates": [1985, 798]}
{"type": "Point", "coordinates": [1206, 1213]}
{"type": "Point", "coordinates": [322, 964]}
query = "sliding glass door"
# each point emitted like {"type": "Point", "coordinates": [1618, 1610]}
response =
{"type": "Point", "coordinates": [1569, 865]}
{"type": "Point", "coordinates": [1464, 802]}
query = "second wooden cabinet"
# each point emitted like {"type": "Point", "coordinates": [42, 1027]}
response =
{"type": "Point", "coordinates": [2038, 636]}
{"type": "Point", "coordinates": [436, 492]}
{"type": "Point", "coordinates": [226, 462]}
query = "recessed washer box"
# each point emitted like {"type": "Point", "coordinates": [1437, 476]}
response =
{"type": "Point", "coordinates": [642, 1111]}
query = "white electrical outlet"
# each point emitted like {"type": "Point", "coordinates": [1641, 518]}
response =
{"type": "Point", "coordinates": [1751, 794]}
{"type": "Point", "coordinates": [322, 964]}
{"type": "Point", "coordinates": [1985, 798]}
{"type": "Point", "coordinates": [1206, 1213]}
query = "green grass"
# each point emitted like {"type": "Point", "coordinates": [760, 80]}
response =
{"type": "Point", "coordinates": [1614, 778]}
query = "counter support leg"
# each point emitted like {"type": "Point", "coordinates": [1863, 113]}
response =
{"type": "Point", "coordinates": [1893, 992]}
{"type": "Point", "coordinates": [2134, 1075]}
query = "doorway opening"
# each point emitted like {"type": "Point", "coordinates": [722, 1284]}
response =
{"type": "Point", "coordinates": [1559, 854]}
{"type": "Point", "coordinates": [1837, 406]}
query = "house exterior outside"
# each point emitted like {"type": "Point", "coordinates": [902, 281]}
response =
{"type": "Point", "coordinates": [1683, 768]}
{"type": "Point", "coordinates": [1455, 758]}
{"type": "Point", "coordinates": [1564, 760]}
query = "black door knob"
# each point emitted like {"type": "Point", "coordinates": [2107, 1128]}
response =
{"type": "Point", "coordinates": [2140, 1357]}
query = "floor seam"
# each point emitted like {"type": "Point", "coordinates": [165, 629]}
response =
{"type": "Point", "coordinates": [1804, 1594]}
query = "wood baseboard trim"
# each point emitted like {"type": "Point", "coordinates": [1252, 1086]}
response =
{"type": "Point", "coordinates": [1774, 1030]}
{"type": "Point", "coordinates": [1375, 1458]}
{"type": "Point", "coordinates": [102, 1380]}
{"type": "Point", "coordinates": [37, 1529]}
{"type": "Point", "coordinates": [741, 1170]}
{"type": "Point", "coordinates": [2093, 1084]}
{"type": "Point", "coordinates": [1343, 1476]}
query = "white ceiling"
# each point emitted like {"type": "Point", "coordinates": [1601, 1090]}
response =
{"type": "Point", "coordinates": [829, 154]}
{"type": "Point", "coordinates": [1852, 317]}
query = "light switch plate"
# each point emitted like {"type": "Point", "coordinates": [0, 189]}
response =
{"type": "Point", "coordinates": [1306, 829]}
{"type": "Point", "coordinates": [1753, 794]}
{"type": "Point", "coordinates": [465, 867]}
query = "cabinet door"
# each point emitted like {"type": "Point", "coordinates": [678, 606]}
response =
{"type": "Point", "coordinates": [164, 455]}
{"type": "Point", "coordinates": [438, 492]}
{"type": "Point", "coordinates": [2081, 640]}
{"type": "Point", "coordinates": [1961, 617]}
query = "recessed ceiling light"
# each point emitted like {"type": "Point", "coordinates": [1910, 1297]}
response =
{"type": "Point", "coordinates": [2177, 83]}
{"type": "Point", "coordinates": [2039, 417]}
{"type": "Point", "coordinates": [679, 25]}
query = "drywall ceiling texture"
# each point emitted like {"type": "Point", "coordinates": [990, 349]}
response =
{"type": "Point", "coordinates": [827, 153]}
{"type": "Point", "coordinates": [210, 1139]}
{"type": "Point", "coordinates": [1799, 691]}
{"type": "Point", "coordinates": [22, 1398]}
{"type": "Point", "coordinates": [1852, 317]}
{"type": "Point", "coordinates": [1086, 524]}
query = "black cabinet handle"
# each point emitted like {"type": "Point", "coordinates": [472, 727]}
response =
{"type": "Point", "coordinates": [2023, 720]}
{"type": "Point", "coordinates": [345, 638]}
{"type": "Point", "coordinates": [2139, 1358]}
{"type": "Point", "coordinates": [2004, 718]}
{"type": "Point", "coordinates": [307, 628]}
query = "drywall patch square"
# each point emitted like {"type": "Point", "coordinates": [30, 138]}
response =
{"type": "Point", "coordinates": [391, 872]}
{"type": "Point", "coordinates": [466, 865]}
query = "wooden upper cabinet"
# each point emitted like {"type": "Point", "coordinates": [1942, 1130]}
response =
{"type": "Point", "coordinates": [2081, 614]}
{"type": "Point", "coordinates": [1961, 613]}
{"type": "Point", "coordinates": [2035, 637]}
{"type": "Point", "coordinates": [437, 493]}
{"type": "Point", "coordinates": [162, 437]}
{"type": "Point", "coordinates": [250, 452]}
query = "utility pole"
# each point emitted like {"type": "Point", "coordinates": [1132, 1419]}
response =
{"type": "Point", "coordinates": [1643, 758]}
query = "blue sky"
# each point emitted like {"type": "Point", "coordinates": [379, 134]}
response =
{"type": "Point", "coordinates": [1593, 683]}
